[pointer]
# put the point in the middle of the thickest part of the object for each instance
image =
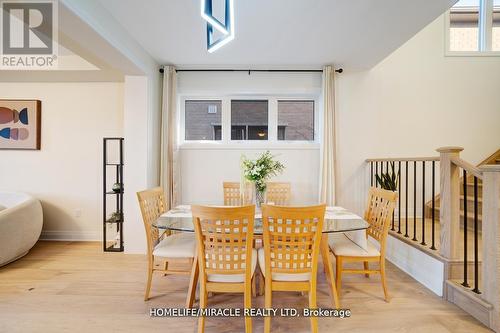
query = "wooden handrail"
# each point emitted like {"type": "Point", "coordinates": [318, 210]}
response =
{"type": "Point", "coordinates": [467, 167]}
{"type": "Point", "coordinates": [403, 159]}
{"type": "Point", "coordinates": [491, 158]}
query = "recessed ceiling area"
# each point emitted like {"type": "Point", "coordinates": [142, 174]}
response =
{"type": "Point", "coordinates": [354, 34]}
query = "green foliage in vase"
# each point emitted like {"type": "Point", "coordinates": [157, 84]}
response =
{"type": "Point", "coordinates": [388, 180]}
{"type": "Point", "coordinates": [261, 169]}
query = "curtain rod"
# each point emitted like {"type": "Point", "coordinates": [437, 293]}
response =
{"type": "Point", "coordinates": [340, 70]}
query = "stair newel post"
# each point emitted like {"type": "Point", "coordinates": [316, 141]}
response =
{"type": "Point", "coordinates": [449, 213]}
{"type": "Point", "coordinates": [490, 267]}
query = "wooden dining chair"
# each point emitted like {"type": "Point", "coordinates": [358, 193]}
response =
{"type": "Point", "coordinates": [169, 247]}
{"type": "Point", "coordinates": [378, 214]}
{"type": "Point", "coordinates": [278, 193]}
{"type": "Point", "coordinates": [233, 195]}
{"type": "Point", "coordinates": [226, 257]}
{"type": "Point", "coordinates": [289, 257]}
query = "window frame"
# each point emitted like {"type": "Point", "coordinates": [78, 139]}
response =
{"type": "Point", "coordinates": [485, 31]}
{"type": "Point", "coordinates": [227, 143]}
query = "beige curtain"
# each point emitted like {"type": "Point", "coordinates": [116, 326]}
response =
{"type": "Point", "coordinates": [170, 168]}
{"type": "Point", "coordinates": [328, 144]}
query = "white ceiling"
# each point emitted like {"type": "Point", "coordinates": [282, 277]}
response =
{"type": "Point", "coordinates": [353, 34]}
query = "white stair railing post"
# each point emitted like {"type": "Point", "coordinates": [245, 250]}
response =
{"type": "Point", "coordinates": [449, 212]}
{"type": "Point", "coordinates": [491, 242]}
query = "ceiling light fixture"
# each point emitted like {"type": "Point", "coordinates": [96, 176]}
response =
{"type": "Point", "coordinates": [227, 29]}
{"type": "Point", "coordinates": [206, 14]}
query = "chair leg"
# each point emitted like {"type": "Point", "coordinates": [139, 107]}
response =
{"type": "Point", "coordinates": [328, 265]}
{"type": "Point", "coordinates": [193, 282]}
{"type": "Point", "coordinates": [248, 304]}
{"type": "Point", "coordinates": [268, 303]}
{"type": "Point", "coordinates": [338, 274]}
{"type": "Point", "coordinates": [313, 305]}
{"type": "Point", "coordinates": [203, 305]}
{"type": "Point", "coordinates": [150, 277]}
{"type": "Point", "coordinates": [382, 277]}
{"type": "Point", "coordinates": [366, 267]}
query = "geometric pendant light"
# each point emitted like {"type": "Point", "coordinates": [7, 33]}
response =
{"type": "Point", "coordinates": [226, 28]}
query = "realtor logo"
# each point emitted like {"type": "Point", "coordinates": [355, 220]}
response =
{"type": "Point", "coordinates": [28, 36]}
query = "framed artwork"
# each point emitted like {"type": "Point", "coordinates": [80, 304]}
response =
{"type": "Point", "coordinates": [20, 122]}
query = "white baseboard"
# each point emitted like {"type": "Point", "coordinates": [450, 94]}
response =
{"type": "Point", "coordinates": [71, 235]}
{"type": "Point", "coordinates": [425, 269]}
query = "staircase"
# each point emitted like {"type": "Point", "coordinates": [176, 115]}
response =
{"type": "Point", "coordinates": [492, 159]}
{"type": "Point", "coordinates": [470, 256]}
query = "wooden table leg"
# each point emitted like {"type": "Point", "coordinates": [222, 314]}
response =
{"type": "Point", "coordinates": [325, 255]}
{"type": "Point", "coordinates": [193, 283]}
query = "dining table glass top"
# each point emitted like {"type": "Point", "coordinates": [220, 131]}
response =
{"type": "Point", "coordinates": [337, 219]}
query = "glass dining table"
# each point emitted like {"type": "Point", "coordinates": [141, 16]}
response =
{"type": "Point", "coordinates": [337, 220]}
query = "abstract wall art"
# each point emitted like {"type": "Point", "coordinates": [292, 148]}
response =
{"type": "Point", "coordinates": [20, 122]}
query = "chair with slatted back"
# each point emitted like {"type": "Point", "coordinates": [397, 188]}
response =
{"type": "Point", "coordinates": [278, 193]}
{"type": "Point", "coordinates": [289, 257]}
{"type": "Point", "coordinates": [171, 247]}
{"type": "Point", "coordinates": [226, 257]}
{"type": "Point", "coordinates": [378, 214]}
{"type": "Point", "coordinates": [233, 195]}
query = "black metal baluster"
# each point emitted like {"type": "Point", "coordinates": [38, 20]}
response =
{"type": "Point", "coordinates": [387, 166]}
{"type": "Point", "coordinates": [433, 247]}
{"type": "Point", "coordinates": [414, 201]}
{"type": "Point", "coordinates": [423, 204]}
{"type": "Point", "coordinates": [376, 173]}
{"type": "Point", "coordinates": [406, 199]}
{"type": "Point", "coordinates": [392, 221]}
{"type": "Point", "coordinates": [476, 259]}
{"type": "Point", "coordinates": [371, 174]}
{"type": "Point", "coordinates": [466, 268]}
{"type": "Point", "coordinates": [399, 197]}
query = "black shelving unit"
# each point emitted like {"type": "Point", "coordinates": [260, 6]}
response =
{"type": "Point", "coordinates": [112, 225]}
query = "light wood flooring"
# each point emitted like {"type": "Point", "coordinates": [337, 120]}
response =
{"type": "Point", "coordinates": [75, 287]}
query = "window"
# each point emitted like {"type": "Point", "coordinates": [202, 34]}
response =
{"type": "Point", "coordinates": [464, 26]}
{"type": "Point", "coordinates": [495, 44]}
{"type": "Point", "coordinates": [295, 120]}
{"type": "Point", "coordinates": [203, 120]}
{"type": "Point", "coordinates": [249, 119]}
{"type": "Point", "coordinates": [474, 26]}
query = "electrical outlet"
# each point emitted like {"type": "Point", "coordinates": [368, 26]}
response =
{"type": "Point", "coordinates": [78, 213]}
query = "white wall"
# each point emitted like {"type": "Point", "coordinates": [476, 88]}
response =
{"type": "Point", "coordinates": [136, 160]}
{"type": "Point", "coordinates": [422, 267]}
{"type": "Point", "coordinates": [203, 170]}
{"type": "Point", "coordinates": [66, 174]}
{"type": "Point", "coordinates": [107, 42]}
{"type": "Point", "coordinates": [240, 83]}
{"type": "Point", "coordinates": [413, 102]}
